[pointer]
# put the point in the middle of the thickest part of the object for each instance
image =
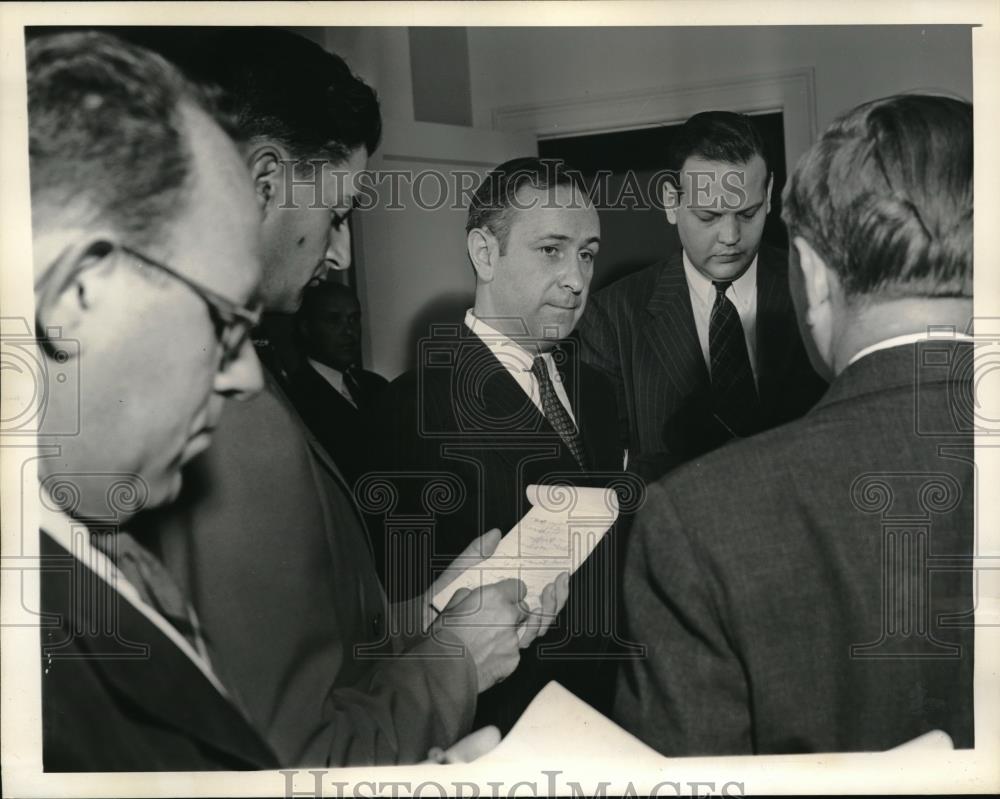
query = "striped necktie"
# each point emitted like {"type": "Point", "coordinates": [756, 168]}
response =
{"type": "Point", "coordinates": [734, 392]}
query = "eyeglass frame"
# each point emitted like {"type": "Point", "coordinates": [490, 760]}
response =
{"type": "Point", "coordinates": [224, 312]}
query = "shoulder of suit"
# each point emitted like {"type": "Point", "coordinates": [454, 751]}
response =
{"type": "Point", "coordinates": [751, 467]}
{"type": "Point", "coordinates": [374, 378]}
{"type": "Point", "coordinates": [774, 259]}
{"type": "Point", "coordinates": [634, 288]}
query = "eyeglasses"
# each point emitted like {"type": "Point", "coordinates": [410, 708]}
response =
{"type": "Point", "coordinates": [233, 322]}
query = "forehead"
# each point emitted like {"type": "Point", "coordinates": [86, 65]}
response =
{"type": "Point", "coordinates": [561, 210]}
{"type": "Point", "coordinates": [340, 179]}
{"type": "Point", "coordinates": [735, 185]}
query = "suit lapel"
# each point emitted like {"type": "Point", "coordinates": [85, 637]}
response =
{"type": "Point", "coordinates": [671, 333]}
{"type": "Point", "coordinates": [275, 387]}
{"type": "Point", "coordinates": [163, 682]}
{"type": "Point", "coordinates": [517, 419]}
{"type": "Point", "coordinates": [322, 395]}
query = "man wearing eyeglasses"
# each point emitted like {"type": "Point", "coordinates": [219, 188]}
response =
{"type": "Point", "coordinates": [267, 538]}
{"type": "Point", "coordinates": [146, 267]}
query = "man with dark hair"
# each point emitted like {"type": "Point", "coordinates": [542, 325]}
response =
{"type": "Point", "coordinates": [501, 402]}
{"type": "Point", "coordinates": [704, 347]}
{"type": "Point", "coordinates": [267, 538]}
{"type": "Point", "coordinates": [782, 585]}
{"type": "Point", "coordinates": [331, 390]}
{"type": "Point", "coordinates": [146, 258]}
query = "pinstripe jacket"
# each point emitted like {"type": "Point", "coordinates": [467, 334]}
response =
{"type": "Point", "coordinates": [640, 331]}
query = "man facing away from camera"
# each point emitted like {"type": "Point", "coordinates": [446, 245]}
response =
{"type": "Point", "coordinates": [146, 260]}
{"type": "Point", "coordinates": [266, 537]}
{"type": "Point", "coordinates": [782, 585]}
{"type": "Point", "coordinates": [704, 347]}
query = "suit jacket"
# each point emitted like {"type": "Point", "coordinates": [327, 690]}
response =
{"type": "Point", "coordinates": [333, 420]}
{"type": "Point", "coordinates": [121, 696]}
{"type": "Point", "coordinates": [640, 331]}
{"type": "Point", "coordinates": [463, 423]}
{"type": "Point", "coordinates": [268, 543]}
{"type": "Point", "coordinates": [767, 579]}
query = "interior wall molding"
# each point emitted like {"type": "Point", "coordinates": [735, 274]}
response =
{"type": "Point", "coordinates": [791, 92]}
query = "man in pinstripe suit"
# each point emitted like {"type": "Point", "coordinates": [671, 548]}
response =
{"type": "Point", "coordinates": [704, 346]}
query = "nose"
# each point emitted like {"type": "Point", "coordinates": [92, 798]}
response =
{"type": "Point", "coordinates": [573, 277]}
{"type": "Point", "coordinates": [242, 377]}
{"type": "Point", "coordinates": [729, 230]}
{"type": "Point", "coordinates": [338, 250]}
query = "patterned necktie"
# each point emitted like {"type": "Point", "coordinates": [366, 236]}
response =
{"type": "Point", "coordinates": [154, 584]}
{"type": "Point", "coordinates": [733, 389]}
{"type": "Point", "coordinates": [556, 414]}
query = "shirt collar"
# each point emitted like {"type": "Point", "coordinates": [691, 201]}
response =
{"type": "Point", "coordinates": [334, 376]}
{"type": "Point", "coordinates": [909, 338]}
{"type": "Point", "coordinates": [506, 350]}
{"type": "Point", "coordinates": [743, 287]}
{"type": "Point", "coordinates": [63, 529]}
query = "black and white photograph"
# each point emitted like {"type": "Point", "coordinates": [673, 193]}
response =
{"type": "Point", "coordinates": [501, 399]}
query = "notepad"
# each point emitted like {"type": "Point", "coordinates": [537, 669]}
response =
{"type": "Point", "coordinates": [558, 534]}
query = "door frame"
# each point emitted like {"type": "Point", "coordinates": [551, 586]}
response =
{"type": "Point", "coordinates": [791, 92]}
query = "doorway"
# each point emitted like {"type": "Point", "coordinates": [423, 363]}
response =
{"type": "Point", "coordinates": [637, 234]}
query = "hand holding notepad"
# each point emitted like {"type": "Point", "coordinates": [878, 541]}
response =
{"type": "Point", "coordinates": [560, 531]}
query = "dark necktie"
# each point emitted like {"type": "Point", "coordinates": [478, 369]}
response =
{"type": "Point", "coordinates": [353, 386]}
{"type": "Point", "coordinates": [556, 414]}
{"type": "Point", "coordinates": [154, 584]}
{"type": "Point", "coordinates": [734, 392]}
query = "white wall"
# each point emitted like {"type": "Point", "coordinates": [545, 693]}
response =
{"type": "Point", "coordinates": [514, 66]}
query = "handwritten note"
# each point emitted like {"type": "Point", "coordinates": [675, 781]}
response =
{"type": "Point", "coordinates": [560, 531]}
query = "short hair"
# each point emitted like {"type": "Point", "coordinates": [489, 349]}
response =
{"type": "Point", "coordinates": [722, 136]}
{"type": "Point", "coordinates": [885, 196]}
{"type": "Point", "coordinates": [283, 87]}
{"type": "Point", "coordinates": [107, 139]}
{"type": "Point", "coordinates": [493, 200]}
{"type": "Point", "coordinates": [315, 293]}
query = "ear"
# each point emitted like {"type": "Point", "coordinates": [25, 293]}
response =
{"type": "Point", "coordinates": [74, 285]}
{"type": "Point", "coordinates": [671, 199]}
{"type": "Point", "coordinates": [815, 273]}
{"type": "Point", "coordinates": [484, 252]}
{"type": "Point", "coordinates": [265, 163]}
{"type": "Point", "coordinates": [770, 185]}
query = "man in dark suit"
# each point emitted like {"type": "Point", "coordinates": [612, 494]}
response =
{"type": "Point", "coordinates": [782, 585]}
{"type": "Point", "coordinates": [502, 401]}
{"type": "Point", "coordinates": [146, 256]}
{"type": "Point", "coordinates": [331, 390]}
{"type": "Point", "coordinates": [266, 537]}
{"type": "Point", "coordinates": [704, 347]}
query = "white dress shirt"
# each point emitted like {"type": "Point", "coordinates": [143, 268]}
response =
{"type": "Point", "coordinates": [517, 360]}
{"type": "Point", "coordinates": [334, 377]}
{"type": "Point", "coordinates": [908, 338]}
{"type": "Point", "coordinates": [74, 537]}
{"type": "Point", "coordinates": [742, 293]}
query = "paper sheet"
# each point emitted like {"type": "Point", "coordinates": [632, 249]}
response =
{"type": "Point", "coordinates": [558, 727]}
{"type": "Point", "coordinates": [560, 531]}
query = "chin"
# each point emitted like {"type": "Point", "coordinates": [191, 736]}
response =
{"type": "Point", "coordinates": [167, 492]}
